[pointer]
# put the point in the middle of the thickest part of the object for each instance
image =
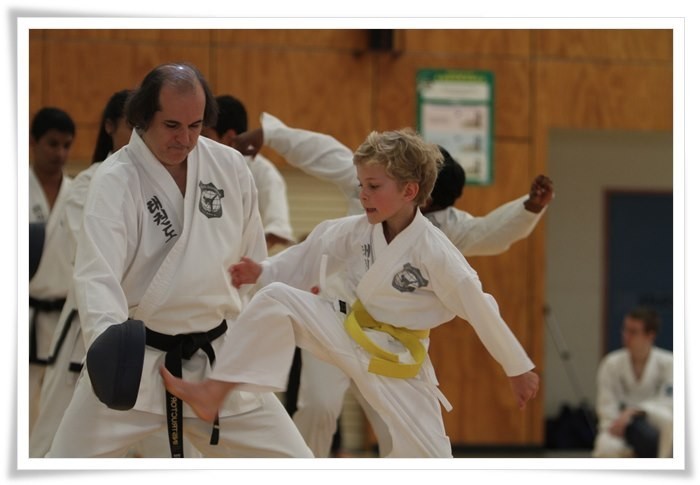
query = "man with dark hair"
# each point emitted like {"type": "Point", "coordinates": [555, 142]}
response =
{"type": "Point", "coordinates": [272, 190]}
{"type": "Point", "coordinates": [51, 136]}
{"type": "Point", "coordinates": [164, 218]}
{"type": "Point", "coordinates": [635, 393]}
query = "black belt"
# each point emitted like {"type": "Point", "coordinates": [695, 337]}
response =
{"type": "Point", "coordinates": [177, 348]}
{"type": "Point", "coordinates": [40, 306]}
{"type": "Point", "coordinates": [62, 338]}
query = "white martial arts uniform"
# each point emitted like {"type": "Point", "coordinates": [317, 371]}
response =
{"type": "Point", "coordinates": [49, 286]}
{"type": "Point", "coordinates": [652, 393]}
{"type": "Point", "coordinates": [272, 197]}
{"type": "Point", "coordinates": [418, 281]}
{"type": "Point", "coordinates": [68, 349]}
{"type": "Point", "coordinates": [322, 387]}
{"type": "Point", "coordinates": [147, 253]}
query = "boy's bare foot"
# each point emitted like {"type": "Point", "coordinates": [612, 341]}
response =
{"type": "Point", "coordinates": [204, 397]}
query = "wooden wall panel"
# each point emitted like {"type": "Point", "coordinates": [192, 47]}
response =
{"type": "Point", "coordinates": [466, 41]}
{"type": "Point", "coordinates": [605, 96]}
{"type": "Point", "coordinates": [36, 73]}
{"type": "Point", "coordinates": [82, 79]}
{"type": "Point", "coordinates": [189, 36]}
{"type": "Point", "coordinates": [326, 39]}
{"type": "Point", "coordinates": [325, 91]}
{"type": "Point", "coordinates": [396, 90]}
{"type": "Point", "coordinates": [605, 44]}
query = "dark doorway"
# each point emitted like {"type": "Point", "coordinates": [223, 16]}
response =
{"type": "Point", "coordinates": [639, 260]}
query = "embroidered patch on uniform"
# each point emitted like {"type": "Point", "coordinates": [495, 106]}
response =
{"type": "Point", "coordinates": [38, 213]}
{"type": "Point", "coordinates": [409, 279]}
{"type": "Point", "coordinates": [210, 200]}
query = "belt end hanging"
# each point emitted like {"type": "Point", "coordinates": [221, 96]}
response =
{"type": "Point", "coordinates": [215, 432]}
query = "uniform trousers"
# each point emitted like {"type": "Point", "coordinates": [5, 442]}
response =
{"type": "Point", "coordinates": [279, 315]}
{"type": "Point", "coordinates": [57, 391]}
{"type": "Point", "coordinates": [610, 446]}
{"type": "Point", "coordinates": [322, 388]}
{"type": "Point", "coordinates": [91, 429]}
{"type": "Point", "coordinates": [45, 326]}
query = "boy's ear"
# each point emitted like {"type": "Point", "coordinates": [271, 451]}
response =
{"type": "Point", "coordinates": [410, 190]}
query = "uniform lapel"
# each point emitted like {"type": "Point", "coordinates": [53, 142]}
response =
{"type": "Point", "coordinates": [387, 257]}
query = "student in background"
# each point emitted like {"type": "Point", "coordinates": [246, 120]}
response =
{"type": "Point", "coordinates": [232, 120]}
{"type": "Point", "coordinates": [635, 393]}
{"type": "Point", "coordinates": [51, 136]}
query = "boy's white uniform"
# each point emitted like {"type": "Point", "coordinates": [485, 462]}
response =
{"type": "Point", "coordinates": [49, 286]}
{"type": "Point", "coordinates": [652, 393]}
{"type": "Point", "coordinates": [322, 387]}
{"type": "Point", "coordinates": [418, 281]}
{"type": "Point", "coordinates": [148, 254]}
{"type": "Point", "coordinates": [272, 197]}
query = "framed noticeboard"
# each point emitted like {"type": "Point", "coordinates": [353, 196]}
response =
{"type": "Point", "coordinates": [455, 110]}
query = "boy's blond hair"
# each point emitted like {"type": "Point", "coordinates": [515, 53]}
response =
{"type": "Point", "coordinates": [405, 156]}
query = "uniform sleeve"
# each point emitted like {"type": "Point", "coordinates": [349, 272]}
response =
{"type": "Point", "coordinates": [661, 403]}
{"type": "Point", "coordinates": [459, 289]}
{"type": "Point", "coordinates": [254, 246]}
{"type": "Point", "coordinates": [272, 199]}
{"type": "Point", "coordinates": [493, 233]}
{"type": "Point", "coordinates": [75, 203]}
{"type": "Point", "coordinates": [300, 265]}
{"type": "Point", "coordinates": [102, 255]}
{"type": "Point", "coordinates": [315, 154]}
{"type": "Point", "coordinates": [609, 393]}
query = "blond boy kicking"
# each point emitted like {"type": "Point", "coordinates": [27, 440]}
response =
{"type": "Point", "coordinates": [403, 278]}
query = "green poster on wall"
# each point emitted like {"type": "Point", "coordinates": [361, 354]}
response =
{"type": "Point", "coordinates": [455, 110]}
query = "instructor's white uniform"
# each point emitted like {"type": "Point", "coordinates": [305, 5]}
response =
{"type": "Point", "coordinates": [652, 393]}
{"type": "Point", "coordinates": [322, 387]}
{"type": "Point", "coordinates": [148, 254]}
{"type": "Point", "coordinates": [418, 281]}
{"type": "Point", "coordinates": [49, 286]}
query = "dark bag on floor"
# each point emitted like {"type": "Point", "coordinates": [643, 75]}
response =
{"type": "Point", "coordinates": [572, 429]}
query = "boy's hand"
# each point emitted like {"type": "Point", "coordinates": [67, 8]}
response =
{"type": "Point", "coordinates": [245, 272]}
{"type": "Point", "coordinates": [525, 387]}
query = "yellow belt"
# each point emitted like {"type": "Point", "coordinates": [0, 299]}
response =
{"type": "Point", "coordinates": [383, 362]}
